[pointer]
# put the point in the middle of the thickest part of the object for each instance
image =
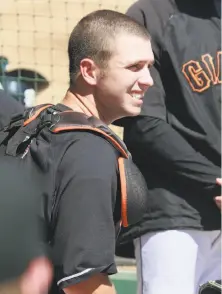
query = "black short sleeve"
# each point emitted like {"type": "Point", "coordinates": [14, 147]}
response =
{"type": "Point", "coordinates": [84, 236]}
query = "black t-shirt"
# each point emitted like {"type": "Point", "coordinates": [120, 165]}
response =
{"type": "Point", "coordinates": [84, 235]}
{"type": "Point", "coordinates": [79, 196]}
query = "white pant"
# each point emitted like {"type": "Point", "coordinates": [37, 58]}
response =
{"type": "Point", "coordinates": [177, 262]}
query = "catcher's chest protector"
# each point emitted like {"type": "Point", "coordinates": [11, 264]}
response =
{"type": "Point", "coordinates": [17, 137]}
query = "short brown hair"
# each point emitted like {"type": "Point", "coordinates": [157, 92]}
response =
{"type": "Point", "coordinates": [93, 35]}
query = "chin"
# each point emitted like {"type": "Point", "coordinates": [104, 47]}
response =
{"type": "Point", "coordinates": [131, 111]}
{"type": "Point", "coordinates": [134, 112]}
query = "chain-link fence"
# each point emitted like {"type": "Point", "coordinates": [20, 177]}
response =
{"type": "Point", "coordinates": [33, 44]}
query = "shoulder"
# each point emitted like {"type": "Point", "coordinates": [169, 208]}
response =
{"type": "Point", "coordinates": [89, 143]}
{"type": "Point", "coordinates": [88, 151]}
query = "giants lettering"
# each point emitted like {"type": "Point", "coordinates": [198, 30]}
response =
{"type": "Point", "coordinates": [201, 78]}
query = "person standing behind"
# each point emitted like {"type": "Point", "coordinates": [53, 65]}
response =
{"type": "Point", "coordinates": [176, 143]}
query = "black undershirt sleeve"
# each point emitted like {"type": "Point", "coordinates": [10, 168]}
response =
{"type": "Point", "coordinates": [155, 141]}
{"type": "Point", "coordinates": [84, 236]}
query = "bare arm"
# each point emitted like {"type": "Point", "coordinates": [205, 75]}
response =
{"type": "Point", "coordinates": [97, 284]}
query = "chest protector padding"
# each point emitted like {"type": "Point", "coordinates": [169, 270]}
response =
{"type": "Point", "coordinates": [133, 186]}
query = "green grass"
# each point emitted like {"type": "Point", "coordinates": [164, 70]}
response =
{"type": "Point", "coordinates": [125, 282]}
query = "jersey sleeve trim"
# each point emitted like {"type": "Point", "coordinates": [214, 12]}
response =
{"type": "Point", "coordinates": [75, 275]}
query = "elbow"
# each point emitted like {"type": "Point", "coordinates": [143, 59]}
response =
{"type": "Point", "coordinates": [97, 284]}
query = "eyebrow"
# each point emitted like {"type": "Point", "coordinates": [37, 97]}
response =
{"type": "Point", "coordinates": [151, 62]}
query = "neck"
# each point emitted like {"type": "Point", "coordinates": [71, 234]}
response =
{"type": "Point", "coordinates": [82, 103]}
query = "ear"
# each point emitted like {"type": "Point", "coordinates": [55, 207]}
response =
{"type": "Point", "coordinates": [88, 70]}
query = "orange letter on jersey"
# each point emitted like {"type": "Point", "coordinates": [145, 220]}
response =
{"type": "Point", "coordinates": [208, 61]}
{"type": "Point", "coordinates": [195, 75]}
{"type": "Point", "coordinates": [219, 67]}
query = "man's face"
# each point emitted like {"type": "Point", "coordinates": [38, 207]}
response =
{"type": "Point", "coordinates": [119, 92]}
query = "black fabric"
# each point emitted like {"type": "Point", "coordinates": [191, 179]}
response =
{"type": "Point", "coordinates": [176, 141]}
{"type": "Point", "coordinates": [21, 234]}
{"type": "Point", "coordinates": [136, 192]}
{"type": "Point", "coordinates": [133, 186]}
{"type": "Point", "coordinates": [77, 199]}
{"type": "Point", "coordinates": [8, 108]}
{"type": "Point", "coordinates": [83, 238]}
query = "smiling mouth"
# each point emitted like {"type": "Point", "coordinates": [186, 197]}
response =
{"type": "Point", "coordinates": [137, 96]}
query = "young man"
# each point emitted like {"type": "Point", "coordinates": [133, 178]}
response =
{"type": "Point", "coordinates": [109, 56]}
{"type": "Point", "coordinates": [176, 143]}
{"type": "Point", "coordinates": [24, 267]}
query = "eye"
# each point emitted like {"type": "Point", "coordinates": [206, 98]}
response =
{"type": "Point", "coordinates": [150, 65]}
{"type": "Point", "coordinates": [135, 67]}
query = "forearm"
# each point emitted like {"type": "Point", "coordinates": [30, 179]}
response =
{"type": "Point", "coordinates": [151, 139]}
{"type": "Point", "coordinates": [98, 284]}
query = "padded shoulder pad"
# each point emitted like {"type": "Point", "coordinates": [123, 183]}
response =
{"type": "Point", "coordinates": [132, 184]}
{"type": "Point", "coordinates": [74, 121]}
{"type": "Point", "coordinates": [34, 112]}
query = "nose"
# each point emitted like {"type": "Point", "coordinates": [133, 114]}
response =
{"type": "Point", "coordinates": [145, 81]}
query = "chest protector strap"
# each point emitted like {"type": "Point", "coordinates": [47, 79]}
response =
{"type": "Point", "coordinates": [133, 186]}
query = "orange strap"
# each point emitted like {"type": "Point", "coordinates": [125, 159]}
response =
{"type": "Point", "coordinates": [123, 192]}
{"type": "Point", "coordinates": [35, 115]}
{"type": "Point", "coordinates": [114, 142]}
{"type": "Point", "coordinates": [124, 219]}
